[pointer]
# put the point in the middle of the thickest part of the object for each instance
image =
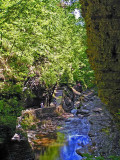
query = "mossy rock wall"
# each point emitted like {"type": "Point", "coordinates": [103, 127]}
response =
{"type": "Point", "coordinates": [103, 30]}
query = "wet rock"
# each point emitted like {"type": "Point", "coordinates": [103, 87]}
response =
{"type": "Point", "coordinates": [82, 151]}
{"type": "Point", "coordinates": [92, 133]}
{"type": "Point", "coordinates": [80, 115]}
{"type": "Point", "coordinates": [93, 120]}
{"type": "Point", "coordinates": [88, 149]}
{"type": "Point", "coordinates": [103, 130]}
{"type": "Point", "coordinates": [91, 149]}
{"type": "Point", "coordinates": [74, 111]}
{"type": "Point", "coordinates": [83, 112]}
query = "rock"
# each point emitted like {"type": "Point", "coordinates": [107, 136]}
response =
{"type": "Point", "coordinates": [74, 111]}
{"type": "Point", "coordinates": [83, 112]}
{"type": "Point", "coordinates": [92, 149]}
{"type": "Point", "coordinates": [92, 133]}
{"type": "Point", "coordinates": [78, 87]}
{"type": "Point", "coordinates": [59, 110]}
{"type": "Point", "coordinates": [103, 130]}
{"type": "Point", "coordinates": [68, 99]}
{"type": "Point", "coordinates": [98, 127]}
{"type": "Point", "coordinates": [6, 133]}
{"type": "Point", "coordinates": [20, 151]}
{"type": "Point", "coordinates": [52, 104]}
{"type": "Point", "coordinates": [82, 151]}
{"type": "Point", "coordinates": [77, 104]}
{"type": "Point", "coordinates": [40, 92]}
{"type": "Point", "coordinates": [80, 115]}
{"type": "Point", "coordinates": [97, 110]}
{"type": "Point", "coordinates": [16, 137]}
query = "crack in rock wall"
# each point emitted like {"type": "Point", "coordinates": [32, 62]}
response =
{"type": "Point", "coordinates": [103, 31]}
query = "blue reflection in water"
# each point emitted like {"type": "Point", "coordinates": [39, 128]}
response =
{"type": "Point", "coordinates": [76, 132]}
{"type": "Point", "coordinates": [68, 151]}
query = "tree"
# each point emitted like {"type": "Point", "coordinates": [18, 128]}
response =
{"type": "Point", "coordinates": [46, 37]}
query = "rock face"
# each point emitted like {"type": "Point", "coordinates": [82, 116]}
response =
{"type": "Point", "coordinates": [36, 93]}
{"type": "Point", "coordinates": [17, 151]}
{"type": "Point", "coordinates": [68, 99]}
{"type": "Point", "coordinates": [102, 23]}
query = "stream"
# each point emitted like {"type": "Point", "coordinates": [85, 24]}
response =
{"type": "Point", "coordinates": [89, 129]}
{"type": "Point", "coordinates": [59, 145]}
{"type": "Point", "coordinates": [71, 136]}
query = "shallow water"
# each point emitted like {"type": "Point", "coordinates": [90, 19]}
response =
{"type": "Point", "coordinates": [60, 145]}
{"type": "Point", "coordinates": [70, 137]}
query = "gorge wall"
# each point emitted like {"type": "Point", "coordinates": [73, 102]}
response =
{"type": "Point", "coordinates": [103, 30]}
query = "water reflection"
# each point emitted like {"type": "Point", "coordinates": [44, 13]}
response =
{"type": "Point", "coordinates": [72, 137]}
{"type": "Point", "coordinates": [68, 151]}
{"type": "Point", "coordinates": [52, 152]}
{"type": "Point", "coordinates": [61, 150]}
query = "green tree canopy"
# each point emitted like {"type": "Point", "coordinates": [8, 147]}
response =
{"type": "Point", "coordinates": [44, 34]}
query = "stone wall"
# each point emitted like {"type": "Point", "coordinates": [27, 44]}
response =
{"type": "Point", "coordinates": [103, 30]}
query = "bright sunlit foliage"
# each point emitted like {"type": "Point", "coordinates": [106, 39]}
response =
{"type": "Point", "coordinates": [46, 38]}
{"type": "Point", "coordinates": [46, 32]}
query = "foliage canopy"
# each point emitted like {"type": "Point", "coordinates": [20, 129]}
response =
{"type": "Point", "coordinates": [44, 34]}
{"type": "Point", "coordinates": [39, 37]}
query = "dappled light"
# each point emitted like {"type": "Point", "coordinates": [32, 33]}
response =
{"type": "Point", "coordinates": [53, 56]}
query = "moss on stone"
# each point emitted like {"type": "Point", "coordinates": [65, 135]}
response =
{"type": "Point", "coordinates": [29, 121]}
{"type": "Point", "coordinates": [103, 47]}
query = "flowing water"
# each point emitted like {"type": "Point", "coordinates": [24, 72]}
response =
{"type": "Point", "coordinates": [70, 137]}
